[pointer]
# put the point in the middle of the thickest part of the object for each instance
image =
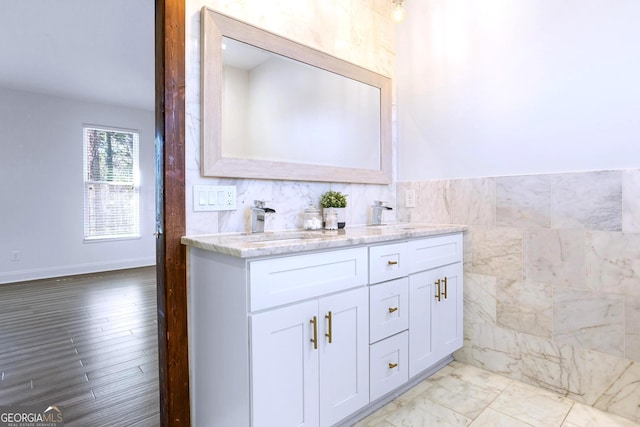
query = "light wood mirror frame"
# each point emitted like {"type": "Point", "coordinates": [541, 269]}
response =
{"type": "Point", "coordinates": [214, 27]}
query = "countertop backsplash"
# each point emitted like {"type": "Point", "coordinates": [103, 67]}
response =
{"type": "Point", "coordinates": [289, 199]}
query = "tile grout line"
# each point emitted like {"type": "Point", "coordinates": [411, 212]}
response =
{"type": "Point", "coordinates": [573, 402]}
{"type": "Point", "coordinates": [493, 400]}
{"type": "Point", "coordinates": [509, 383]}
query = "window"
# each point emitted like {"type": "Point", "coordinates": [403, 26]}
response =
{"type": "Point", "coordinates": [111, 184]}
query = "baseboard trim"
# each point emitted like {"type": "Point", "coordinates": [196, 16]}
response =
{"type": "Point", "coordinates": [70, 270]}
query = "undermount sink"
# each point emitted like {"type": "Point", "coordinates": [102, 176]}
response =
{"type": "Point", "coordinates": [393, 226]}
{"type": "Point", "coordinates": [275, 237]}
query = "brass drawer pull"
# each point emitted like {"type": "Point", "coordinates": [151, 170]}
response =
{"type": "Point", "coordinates": [314, 340]}
{"type": "Point", "coordinates": [392, 262]}
{"type": "Point", "coordinates": [393, 365]}
{"type": "Point", "coordinates": [437, 283]}
{"type": "Point", "coordinates": [329, 335]}
{"type": "Point", "coordinates": [393, 309]}
{"type": "Point", "coordinates": [444, 294]}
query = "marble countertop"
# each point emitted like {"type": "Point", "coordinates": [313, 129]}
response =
{"type": "Point", "coordinates": [245, 245]}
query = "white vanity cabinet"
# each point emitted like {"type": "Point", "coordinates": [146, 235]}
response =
{"type": "Point", "coordinates": [435, 290]}
{"type": "Point", "coordinates": [279, 340]}
{"type": "Point", "coordinates": [322, 337]}
{"type": "Point", "coordinates": [435, 323]}
{"type": "Point", "coordinates": [433, 267]}
{"type": "Point", "coordinates": [309, 361]}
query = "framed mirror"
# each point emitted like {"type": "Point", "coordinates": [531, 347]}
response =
{"type": "Point", "coordinates": [275, 109]}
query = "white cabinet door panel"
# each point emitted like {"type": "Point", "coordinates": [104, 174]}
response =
{"type": "Point", "coordinates": [344, 362]}
{"type": "Point", "coordinates": [284, 367]}
{"type": "Point", "coordinates": [448, 311]}
{"type": "Point", "coordinates": [435, 324]}
{"type": "Point", "coordinates": [421, 340]}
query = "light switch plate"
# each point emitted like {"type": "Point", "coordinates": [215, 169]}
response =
{"type": "Point", "coordinates": [409, 198]}
{"type": "Point", "coordinates": [214, 198]}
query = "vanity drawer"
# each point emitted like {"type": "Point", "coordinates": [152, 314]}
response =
{"type": "Point", "coordinates": [278, 281]}
{"type": "Point", "coordinates": [387, 262]}
{"type": "Point", "coordinates": [388, 309]}
{"type": "Point", "coordinates": [389, 365]}
{"type": "Point", "coordinates": [432, 252]}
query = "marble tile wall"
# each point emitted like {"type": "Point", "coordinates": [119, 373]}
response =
{"type": "Point", "coordinates": [360, 31]}
{"type": "Point", "coordinates": [552, 278]}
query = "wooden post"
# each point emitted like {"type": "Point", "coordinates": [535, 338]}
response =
{"type": "Point", "coordinates": [170, 213]}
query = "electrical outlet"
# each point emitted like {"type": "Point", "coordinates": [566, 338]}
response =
{"type": "Point", "coordinates": [214, 198]}
{"type": "Point", "coordinates": [15, 256]}
{"type": "Point", "coordinates": [409, 198]}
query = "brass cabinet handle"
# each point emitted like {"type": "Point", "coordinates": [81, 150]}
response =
{"type": "Point", "coordinates": [393, 365]}
{"type": "Point", "coordinates": [314, 340]}
{"type": "Point", "coordinates": [444, 294]}
{"type": "Point", "coordinates": [393, 309]}
{"type": "Point", "coordinates": [329, 317]}
{"type": "Point", "coordinates": [437, 283]}
{"type": "Point", "coordinates": [392, 262]}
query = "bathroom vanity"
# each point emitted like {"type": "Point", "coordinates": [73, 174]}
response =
{"type": "Point", "coordinates": [318, 328]}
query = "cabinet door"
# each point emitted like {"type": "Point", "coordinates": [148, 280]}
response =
{"type": "Point", "coordinates": [435, 316]}
{"type": "Point", "coordinates": [344, 362]}
{"type": "Point", "coordinates": [422, 346]}
{"type": "Point", "coordinates": [284, 367]}
{"type": "Point", "coordinates": [447, 313]}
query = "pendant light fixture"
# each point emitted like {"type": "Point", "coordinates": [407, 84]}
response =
{"type": "Point", "coordinates": [398, 10]}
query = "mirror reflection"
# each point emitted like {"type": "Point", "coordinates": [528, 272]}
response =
{"type": "Point", "coordinates": [278, 109]}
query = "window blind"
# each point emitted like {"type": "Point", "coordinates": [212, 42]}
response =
{"type": "Point", "coordinates": [111, 184]}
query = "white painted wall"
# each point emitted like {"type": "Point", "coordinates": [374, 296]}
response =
{"type": "Point", "coordinates": [504, 87]}
{"type": "Point", "coordinates": [41, 187]}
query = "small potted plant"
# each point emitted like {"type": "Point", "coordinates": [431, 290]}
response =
{"type": "Point", "coordinates": [338, 202]}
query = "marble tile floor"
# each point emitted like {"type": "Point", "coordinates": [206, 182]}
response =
{"type": "Point", "coordinates": [463, 395]}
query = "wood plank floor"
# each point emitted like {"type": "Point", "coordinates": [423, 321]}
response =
{"type": "Point", "coordinates": [86, 343]}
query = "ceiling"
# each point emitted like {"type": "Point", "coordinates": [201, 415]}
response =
{"type": "Point", "coordinates": [93, 50]}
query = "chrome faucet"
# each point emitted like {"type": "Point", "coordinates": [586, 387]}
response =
{"type": "Point", "coordinates": [378, 207]}
{"type": "Point", "coordinates": [258, 212]}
